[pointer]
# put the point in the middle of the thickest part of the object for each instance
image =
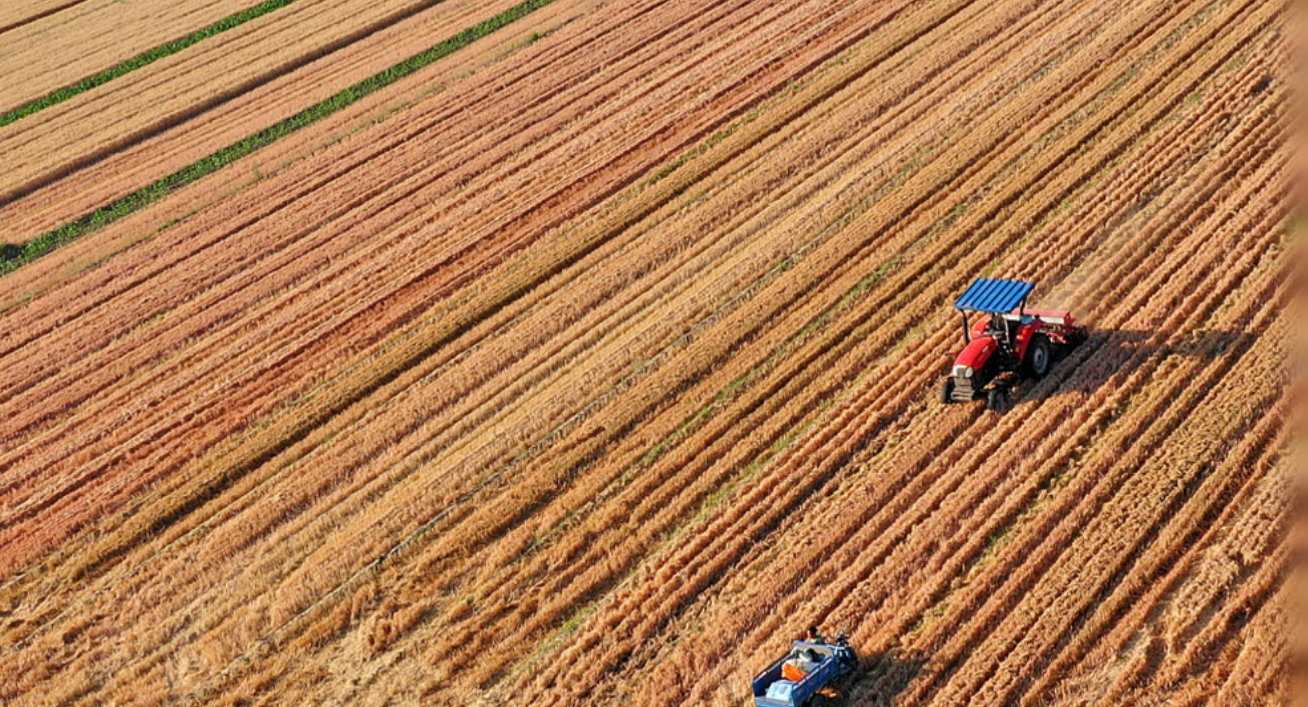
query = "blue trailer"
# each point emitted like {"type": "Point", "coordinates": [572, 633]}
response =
{"type": "Point", "coordinates": [833, 661]}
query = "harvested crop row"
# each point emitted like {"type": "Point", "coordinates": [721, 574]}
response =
{"type": "Point", "coordinates": [1244, 468]}
{"type": "Point", "coordinates": [778, 396]}
{"type": "Point", "coordinates": [307, 178]}
{"type": "Point", "coordinates": [981, 589]}
{"type": "Point", "coordinates": [188, 85]}
{"type": "Point", "coordinates": [248, 281]}
{"type": "Point", "coordinates": [127, 430]}
{"type": "Point", "coordinates": [12, 16]}
{"type": "Point", "coordinates": [675, 382]}
{"type": "Point", "coordinates": [799, 592]}
{"type": "Point", "coordinates": [54, 43]}
{"type": "Point", "coordinates": [103, 173]}
{"type": "Point", "coordinates": [579, 494]}
{"type": "Point", "coordinates": [899, 616]}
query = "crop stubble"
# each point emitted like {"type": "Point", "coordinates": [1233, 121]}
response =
{"type": "Point", "coordinates": [621, 403]}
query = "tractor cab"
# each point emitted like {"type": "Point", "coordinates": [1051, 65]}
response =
{"type": "Point", "coordinates": [1006, 341]}
{"type": "Point", "coordinates": [1002, 331]}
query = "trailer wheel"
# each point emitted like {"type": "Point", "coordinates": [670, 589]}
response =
{"type": "Point", "coordinates": [997, 400]}
{"type": "Point", "coordinates": [947, 391]}
{"type": "Point", "coordinates": [1037, 356]}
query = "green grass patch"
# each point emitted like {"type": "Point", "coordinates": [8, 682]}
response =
{"type": "Point", "coordinates": [141, 60]}
{"type": "Point", "coordinates": [51, 240]}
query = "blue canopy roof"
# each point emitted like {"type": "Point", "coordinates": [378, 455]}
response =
{"type": "Point", "coordinates": [986, 295]}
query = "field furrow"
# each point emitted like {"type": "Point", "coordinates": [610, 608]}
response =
{"type": "Point", "coordinates": [591, 360]}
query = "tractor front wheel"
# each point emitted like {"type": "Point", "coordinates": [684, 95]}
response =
{"type": "Point", "coordinates": [1037, 356]}
{"type": "Point", "coordinates": [997, 400]}
{"type": "Point", "coordinates": [947, 391]}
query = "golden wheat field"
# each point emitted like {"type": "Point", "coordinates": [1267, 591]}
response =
{"type": "Point", "coordinates": [585, 352]}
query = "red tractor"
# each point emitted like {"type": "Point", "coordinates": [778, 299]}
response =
{"type": "Point", "coordinates": [1006, 343]}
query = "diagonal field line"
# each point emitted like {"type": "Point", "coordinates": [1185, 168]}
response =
{"type": "Point", "coordinates": [136, 62]}
{"type": "Point", "coordinates": [51, 240]}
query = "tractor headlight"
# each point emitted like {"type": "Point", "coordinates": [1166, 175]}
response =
{"type": "Point", "coordinates": [962, 371]}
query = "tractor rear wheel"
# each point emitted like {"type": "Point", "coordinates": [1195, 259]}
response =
{"type": "Point", "coordinates": [997, 400]}
{"type": "Point", "coordinates": [1037, 356]}
{"type": "Point", "coordinates": [947, 391]}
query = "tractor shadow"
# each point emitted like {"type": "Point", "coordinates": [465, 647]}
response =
{"type": "Point", "coordinates": [1108, 355]}
{"type": "Point", "coordinates": [876, 682]}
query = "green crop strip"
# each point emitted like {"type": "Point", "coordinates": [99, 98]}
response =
{"type": "Point", "coordinates": [140, 60]}
{"type": "Point", "coordinates": [12, 257]}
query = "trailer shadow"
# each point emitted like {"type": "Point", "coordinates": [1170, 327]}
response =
{"type": "Point", "coordinates": [876, 682]}
{"type": "Point", "coordinates": [1115, 354]}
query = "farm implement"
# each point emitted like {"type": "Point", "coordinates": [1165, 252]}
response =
{"type": "Point", "coordinates": [795, 678]}
{"type": "Point", "coordinates": [1007, 343]}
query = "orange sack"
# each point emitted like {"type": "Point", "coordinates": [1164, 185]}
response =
{"type": "Point", "coordinates": [791, 672]}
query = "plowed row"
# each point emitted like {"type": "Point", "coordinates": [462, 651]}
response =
{"type": "Point", "coordinates": [593, 371]}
